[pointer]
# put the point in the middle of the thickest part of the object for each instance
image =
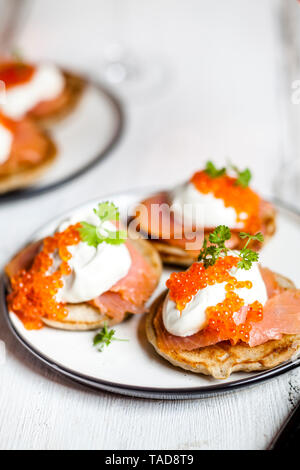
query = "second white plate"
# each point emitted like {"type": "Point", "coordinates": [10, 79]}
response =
{"type": "Point", "coordinates": [83, 139]}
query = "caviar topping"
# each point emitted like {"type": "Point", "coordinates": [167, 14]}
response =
{"type": "Point", "coordinates": [10, 124]}
{"type": "Point", "coordinates": [15, 73]}
{"type": "Point", "coordinates": [34, 291]}
{"type": "Point", "coordinates": [183, 286]}
{"type": "Point", "coordinates": [242, 199]}
{"type": "Point", "coordinates": [221, 317]}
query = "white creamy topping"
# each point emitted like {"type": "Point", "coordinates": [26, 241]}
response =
{"type": "Point", "coordinates": [94, 270]}
{"type": "Point", "coordinates": [202, 209]}
{"type": "Point", "coordinates": [6, 140]}
{"type": "Point", "coordinates": [193, 318]}
{"type": "Point", "coordinates": [46, 84]}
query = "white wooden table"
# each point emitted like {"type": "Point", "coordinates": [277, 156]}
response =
{"type": "Point", "coordinates": [226, 95]}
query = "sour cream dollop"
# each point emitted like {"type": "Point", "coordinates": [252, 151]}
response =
{"type": "Point", "coordinates": [94, 270]}
{"type": "Point", "coordinates": [46, 84]}
{"type": "Point", "coordinates": [6, 140]}
{"type": "Point", "coordinates": [193, 318]}
{"type": "Point", "coordinates": [201, 209]}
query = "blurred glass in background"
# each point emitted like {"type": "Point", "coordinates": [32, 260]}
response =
{"type": "Point", "coordinates": [12, 17]}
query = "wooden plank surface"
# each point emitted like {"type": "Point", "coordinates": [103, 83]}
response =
{"type": "Point", "coordinates": [221, 98]}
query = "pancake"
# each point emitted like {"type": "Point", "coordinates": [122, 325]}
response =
{"type": "Point", "coordinates": [222, 359]}
{"type": "Point", "coordinates": [32, 153]}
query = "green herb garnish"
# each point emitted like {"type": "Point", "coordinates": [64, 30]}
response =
{"type": "Point", "coordinates": [247, 255]}
{"type": "Point", "coordinates": [104, 338]}
{"type": "Point", "coordinates": [211, 253]}
{"type": "Point", "coordinates": [212, 171]}
{"type": "Point", "coordinates": [94, 235]}
{"type": "Point", "coordinates": [17, 56]}
{"type": "Point", "coordinates": [243, 177]}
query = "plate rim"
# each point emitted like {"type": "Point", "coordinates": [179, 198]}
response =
{"type": "Point", "coordinates": [134, 390]}
{"type": "Point", "coordinates": [118, 108]}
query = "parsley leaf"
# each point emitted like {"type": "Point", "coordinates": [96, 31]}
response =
{"type": "Point", "coordinates": [220, 234]}
{"type": "Point", "coordinates": [110, 236]}
{"type": "Point", "coordinates": [94, 235]}
{"type": "Point", "coordinates": [212, 171]}
{"type": "Point", "coordinates": [209, 254]}
{"type": "Point", "coordinates": [107, 211]}
{"type": "Point", "coordinates": [104, 338]}
{"type": "Point", "coordinates": [243, 177]}
{"type": "Point", "coordinates": [247, 255]}
{"type": "Point", "coordinates": [88, 234]}
{"type": "Point", "coordinates": [17, 56]}
{"type": "Point", "coordinates": [247, 258]}
{"type": "Point", "coordinates": [258, 236]}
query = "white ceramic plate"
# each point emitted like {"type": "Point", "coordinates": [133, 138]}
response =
{"type": "Point", "coordinates": [83, 139]}
{"type": "Point", "coordinates": [133, 368]}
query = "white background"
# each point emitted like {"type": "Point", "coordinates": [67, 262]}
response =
{"type": "Point", "coordinates": [226, 94]}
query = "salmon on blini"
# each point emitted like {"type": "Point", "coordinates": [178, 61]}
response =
{"type": "Point", "coordinates": [226, 316]}
{"type": "Point", "coordinates": [54, 281]}
{"type": "Point", "coordinates": [31, 153]}
{"type": "Point", "coordinates": [177, 221]}
{"type": "Point", "coordinates": [42, 91]}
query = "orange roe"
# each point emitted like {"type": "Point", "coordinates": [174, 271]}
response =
{"type": "Point", "coordinates": [15, 73]}
{"type": "Point", "coordinates": [243, 200]}
{"type": "Point", "coordinates": [184, 285]}
{"type": "Point", "coordinates": [221, 317]}
{"type": "Point", "coordinates": [10, 124]}
{"type": "Point", "coordinates": [34, 291]}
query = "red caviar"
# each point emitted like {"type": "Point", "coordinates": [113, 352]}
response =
{"type": "Point", "coordinates": [243, 200]}
{"type": "Point", "coordinates": [10, 124]}
{"type": "Point", "coordinates": [15, 73]}
{"type": "Point", "coordinates": [221, 317]}
{"type": "Point", "coordinates": [33, 291]}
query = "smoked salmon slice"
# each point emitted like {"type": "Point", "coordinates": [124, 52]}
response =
{"type": "Point", "coordinates": [130, 293]}
{"type": "Point", "coordinates": [281, 316]}
{"type": "Point", "coordinates": [29, 147]}
{"type": "Point", "coordinates": [269, 278]}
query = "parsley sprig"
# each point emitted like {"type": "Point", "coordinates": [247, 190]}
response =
{"type": "Point", "coordinates": [243, 177]}
{"type": "Point", "coordinates": [212, 171]}
{"type": "Point", "coordinates": [94, 235]}
{"type": "Point", "coordinates": [105, 338]}
{"type": "Point", "coordinates": [17, 56]}
{"type": "Point", "coordinates": [247, 255]}
{"type": "Point", "coordinates": [209, 254]}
